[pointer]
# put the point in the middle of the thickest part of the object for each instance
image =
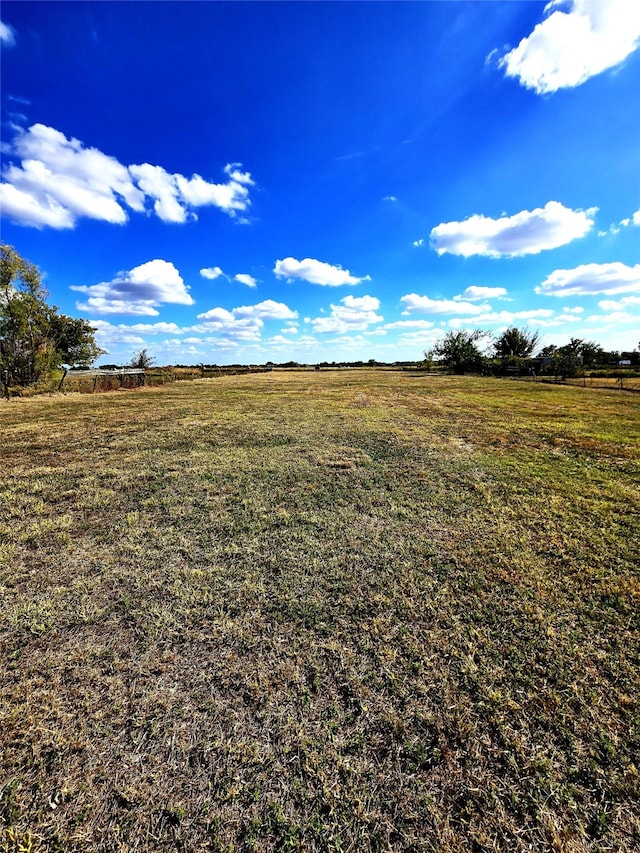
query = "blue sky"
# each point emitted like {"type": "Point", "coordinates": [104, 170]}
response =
{"type": "Point", "coordinates": [244, 182]}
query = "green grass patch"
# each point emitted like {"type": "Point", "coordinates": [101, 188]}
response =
{"type": "Point", "coordinates": [358, 610]}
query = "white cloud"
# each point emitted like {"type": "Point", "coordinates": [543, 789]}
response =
{"type": "Point", "coordinates": [508, 317]}
{"type": "Point", "coordinates": [524, 233]}
{"type": "Point", "coordinates": [138, 291]}
{"type": "Point", "coordinates": [592, 279]}
{"type": "Point", "coordinates": [7, 35]}
{"type": "Point", "coordinates": [418, 243]}
{"type": "Point", "coordinates": [620, 304]}
{"type": "Point", "coordinates": [415, 304]}
{"type": "Point", "coordinates": [410, 324]}
{"type": "Point", "coordinates": [267, 310]}
{"type": "Point", "coordinates": [221, 321]}
{"type": "Point", "coordinates": [389, 198]}
{"type": "Point", "coordinates": [212, 273]}
{"type": "Point", "coordinates": [569, 47]}
{"type": "Point", "coordinates": [243, 323]}
{"type": "Point", "coordinates": [474, 292]}
{"type": "Point", "coordinates": [421, 338]}
{"type": "Point", "coordinates": [197, 192]}
{"type": "Point", "coordinates": [240, 177]}
{"type": "Point", "coordinates": [156, 328]}
{"type": "Point", "coordinates": [245, 278]}
{"type": "Point", "coordinates": [217, 315]}
{"type": "Point", "coordinates": [315, 272]}
{"type": "Point", "coordinates": [354, 314]}
{"type": "Point", "coordinates": [60, 181]}
{"type": "Point", "coordinates": [27, 209]}
{"type": "Point", "coordinates": [110, 335]}
{"type": "Point", "coordinates": [156, 183]}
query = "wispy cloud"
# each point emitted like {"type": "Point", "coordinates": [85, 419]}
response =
{"type": "Point", "coordinates": [410, 324]}
{"type": "Point", "coordinates": [315, 272]}
{"type": "Point", "coordinates": [568, 47]}
{"type": "Point", "coordinates": [59, 181]}
{"type": "Point", "coordinates": [7, 34]}
{"type": "Point", "coordinates": [138, 291]}
{"type": "Point", "coordinates": [524, 233]}
{"type": "Point", "coordinates": [245, 278]}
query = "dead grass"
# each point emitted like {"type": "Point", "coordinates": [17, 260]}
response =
{"type": "Point", "coordinates": [355, 611]}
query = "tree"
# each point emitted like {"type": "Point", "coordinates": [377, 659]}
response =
{"type": "Point", "coordinates": [34, 338]}
{"type": "Point", "coordinates": [458, 351]}
{"type": "Point", "coordinates": [142, 360]}
{"type": "Point", "coordinates": [519, 343]}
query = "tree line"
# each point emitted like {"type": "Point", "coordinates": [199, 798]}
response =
{"type": "Point", "coordinates": [462, 351]}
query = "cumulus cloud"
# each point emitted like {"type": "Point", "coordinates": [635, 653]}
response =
{"type": "Point", "coordinates": [415, 304]}
{"type": "Point", "coordinates": [26, 208]}
{"type": "Point", "coordinates": [315, 272]}
{"type": "Point", "coordinates": [111, 335]}
{"type": "Point", "coordinates": [160, 186]}
{"type": "Point", "coordinates": [353, 314]}
{"type": "Point", "coordinates": [243, 323]}
{"type": "Point", "coordinates": [418, 243]}
{"type": "Point", "coordinates": [474, 292]}
{"type": "Point", "coordinates": [524, 233]}
{"type": "Point", "coordinates": [568, 47]}
{"type": "Point", "coordinates": [634, 219]}
{"type": "Point", "coordinates": [7, 34]}
{"type": "Point", "coordinates": [592, 279]}
{"type": "Point", "coordinates": [212, 273]}
{"type": "Point", "coordinates": [138, 291]}
{"type": "Point", "coordinates": [59, 181]}
{"type": "Point", "coordinates": [619, 304]}
{"type": "Point", "coordinates": [245, 278]}
{"type": "Point", "coordinates": [267, 310]}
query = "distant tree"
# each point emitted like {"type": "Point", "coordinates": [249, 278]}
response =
{"type": "Point", "coordinates": [516, 342]}
{"type": "Point", "coordinates": [427, 364]}
{"type": "Point", "coordinates": [34, 338]}
{"type": "Point", "coordinates": [142, 360]}
{"type": "Point", "coordinates": [459, 352]}
{"type": "Point", "coordinates": [591, 353]}
{"type": "Point", "coordinates": [548, 352]}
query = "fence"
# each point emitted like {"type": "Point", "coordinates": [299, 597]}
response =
{"type": "Point", "coordinates": [123, 376]}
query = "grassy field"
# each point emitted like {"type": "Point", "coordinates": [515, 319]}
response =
{"type": "Point", "coordinates": [325, 611]}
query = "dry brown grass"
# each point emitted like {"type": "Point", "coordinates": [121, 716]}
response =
{"type": "Point", "coordinates": [348, 611]}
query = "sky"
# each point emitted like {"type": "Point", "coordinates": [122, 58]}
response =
{"type": "Point", "coordinates": [243, 182]}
